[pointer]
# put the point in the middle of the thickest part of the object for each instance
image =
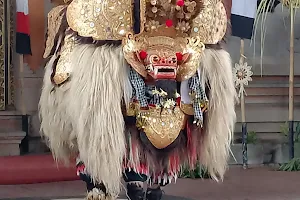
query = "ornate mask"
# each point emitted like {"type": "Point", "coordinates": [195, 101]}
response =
{"type": "Point", "coordinates": [163, 57]}
{"type": "Point", "coordinates": [172, 37]}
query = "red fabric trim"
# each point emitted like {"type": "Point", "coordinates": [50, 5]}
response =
{"type": "Point", "coordinates": [23, 23]}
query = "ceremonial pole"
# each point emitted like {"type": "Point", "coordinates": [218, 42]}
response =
{"type": "Point", "coordinates": [243, 113]}
{"type": "Point", "coordinates": [291, 84]}
{"type": "Point", "coordinates": [242, 19]}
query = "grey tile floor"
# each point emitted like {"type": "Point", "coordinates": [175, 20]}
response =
{"type": "Point", "coordinates": [166, 197]}
{"type": "Point", "coordinates": [260, 183]}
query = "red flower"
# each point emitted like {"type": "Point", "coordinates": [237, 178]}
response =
{"type": "Point", "coordinates": [179, 56]}
{"type": "Point", "coordinates": [180, 3]}
{"type": "Point", "coordinates": [169, 23]}
{"type": "Point", "coordinates": [143, 55]}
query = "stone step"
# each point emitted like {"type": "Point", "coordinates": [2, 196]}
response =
{"type": "Point", "coordinates": [10, 143]}
{"type": "Point", "coordinates": [274, 79]}
{"type": "Point", "coordinates": [11, 133]}
{"type": "Point", "coordinates": [10, 121]}
{"type": "Point", "coordinates": [279, 100]}
{"type": "Point", "coordinates": [267, 112]}
{"type": "Point", "coordinates": [261, 127]}
{"type": "Point", "coordinates": [270, 91]}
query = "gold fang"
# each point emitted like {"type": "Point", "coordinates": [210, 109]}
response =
{"type": "Point", "coordinates": [162, 127]}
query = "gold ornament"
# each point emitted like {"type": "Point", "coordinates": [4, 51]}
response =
{"type": "Point", "coordinates": [210, 25]}
{"type": "Point", "coordinates": [188, 109]}
{"type": "Point", "coordinates": [55, 17]}
{"type": "Point", "coordinates": [63, 67]}
{"type": "Point", "coordinates": [113, 19]}
{"type": "Point", "coordinates": [102, 19]}
{"type": "Point", "coordinates": [161, 126]}
{"type": "Point", "coordinates": [291, 3]}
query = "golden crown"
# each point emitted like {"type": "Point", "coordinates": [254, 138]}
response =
{"type": "Point", "coordinates": [113, 19]}
{"type": "Point", "coordinates": [172, 37]}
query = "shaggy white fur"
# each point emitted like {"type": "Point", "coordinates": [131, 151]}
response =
{"type": "Point", "coordinates": [85, 112]}
{"type": "Point", "coordinates": [216, 72]}
{"type": "Point", "coordinates": [56, 126]}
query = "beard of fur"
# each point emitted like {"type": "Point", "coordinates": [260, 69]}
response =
{"type": "Point", "coordinates": [56, 127]}
{"type": "Point", "coordinates": [88, 109]}
{"type": "Point", "coordinates": [98, 82]}
{"type": "Point", "coordinates": [220, 119]}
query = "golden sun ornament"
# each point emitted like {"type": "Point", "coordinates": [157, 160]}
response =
{"type": "Point", "coordinates": [291, 3]}
{"type": "Point", "coordinates": [242, 76]}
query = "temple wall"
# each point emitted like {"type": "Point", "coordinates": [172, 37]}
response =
{"type": "Point", "coordinates": [276, 46]}
{"type": "Point", "coordinates": [31, 92]}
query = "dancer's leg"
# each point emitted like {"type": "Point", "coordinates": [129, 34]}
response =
{"type": "Point", "coordinates": [154, 192]}
{"type": "Point", "coordinates": [96, 191]}
{"type": "Point", "coordinates": [135, 183]}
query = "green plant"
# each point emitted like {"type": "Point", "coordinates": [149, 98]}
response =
{"type": "Point", "coordinates": [198, 172]}
{"type": "Point", "coordinates": [252, 137]}
{"type": "Point", "coordinates": [284, 129]}
{"type": "Point", "coordinates": [293, 165]}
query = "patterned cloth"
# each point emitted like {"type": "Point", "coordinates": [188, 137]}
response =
{"type": "Point", "coordinates": [200, 96]}
{"type": "Point", "coordinates": [139, 87]}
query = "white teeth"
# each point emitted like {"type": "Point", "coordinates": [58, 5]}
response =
{"type": "Point", "coordinates": [170, 179]}
{"type": "Point", "coordinates": [155, 71]}
{"type": "Point", "coordinates": [154, 179]}
{"type": "Point", "coordinates": [165, 179]}
{"type": "Point", "coordinates": [151, 67]}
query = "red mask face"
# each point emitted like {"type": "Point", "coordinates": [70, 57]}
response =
{"type": "Point", "coordinates": [161, 64]}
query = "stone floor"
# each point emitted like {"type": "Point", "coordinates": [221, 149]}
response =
{"type": "Point", "coordinates": [166, 197]}
{"type": "Point", "coordinates": [252, 184]}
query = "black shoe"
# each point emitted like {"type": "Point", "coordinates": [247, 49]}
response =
{"type": "Point", "coordinates": [90, 185]}
{"type": "Point", "coordinates": [135, 192]}
{"type": "Point", "coordinates": [154, 194]}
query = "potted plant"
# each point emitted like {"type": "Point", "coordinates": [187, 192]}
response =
{"type": "Point", "coordinates": [281, 154]}
{"type": "Point", "coordinates": [255, 151]}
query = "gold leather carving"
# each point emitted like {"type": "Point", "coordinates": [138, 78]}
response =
{"type": "Point", "coordinates": [60, 2]}
{"type": "Point", "coordinates": [63, 67]}
{"type": "Point", "coordinates": [102, 19]}
{"type": "Point", "coordinates": [162, 127]}
{"type": "Point", "coordinates": [54, 22]}
{"type": "Point", "coordinates": [211, 24]}
{"type": "Point", "coordinates": [187, 108]}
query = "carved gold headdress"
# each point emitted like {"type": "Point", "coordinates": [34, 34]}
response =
{"type": "Point", "coordinates": [172, 37]}
{"type": "Point", "coordinates": [61, 2]}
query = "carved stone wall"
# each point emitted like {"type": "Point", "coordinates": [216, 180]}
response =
{"type": "Point", "coordinates": [6, 49]}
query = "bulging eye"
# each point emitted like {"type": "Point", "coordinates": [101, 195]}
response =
{"type": "Point", "coordinates": [172, 60]}
{"type": "Point", "coordinates": [154, 59]}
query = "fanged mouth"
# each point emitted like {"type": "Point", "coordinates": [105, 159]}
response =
{"type": "Point", "coordinates": [162, 71]}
